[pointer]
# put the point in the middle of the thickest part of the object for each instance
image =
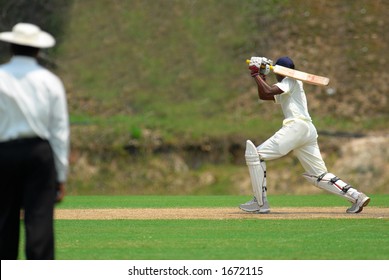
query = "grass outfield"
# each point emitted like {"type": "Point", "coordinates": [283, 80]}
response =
{"type": "Point", "coordinates": [338, 239]}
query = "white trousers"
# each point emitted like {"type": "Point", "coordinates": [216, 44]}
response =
{"type": "Point", "coordinates": [300, 137]}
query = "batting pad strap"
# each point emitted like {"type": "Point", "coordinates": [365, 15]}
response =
{"type": "Point", "coordinates": [346, 188]}
{"type": "Point", "coordinates": [319, 178]}
{"type": "Point", "coordinates": [333, 180]}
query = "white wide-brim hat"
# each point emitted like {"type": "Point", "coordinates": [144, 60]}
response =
{"type": "Point", "coordinates": [28, 34]}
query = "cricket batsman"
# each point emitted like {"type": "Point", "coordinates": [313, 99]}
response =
{"type": "Point", "coordinates": [297, 134]}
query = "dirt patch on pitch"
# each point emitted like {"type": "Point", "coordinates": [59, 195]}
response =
{"type": "Point", "coordinates": [217, 213]}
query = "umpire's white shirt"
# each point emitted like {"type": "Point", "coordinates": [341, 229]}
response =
{"type": "Point", "coordinates": [33, 104]}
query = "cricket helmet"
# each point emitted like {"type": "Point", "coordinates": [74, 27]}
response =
{"type": "Point", "coordinates": [285, 61]}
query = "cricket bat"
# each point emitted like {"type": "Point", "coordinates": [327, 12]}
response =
{"type": "Point", "coordinates": [299, 75]}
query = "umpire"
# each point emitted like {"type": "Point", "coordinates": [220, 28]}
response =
{"type": "Point", "coordinates": [34, 144]}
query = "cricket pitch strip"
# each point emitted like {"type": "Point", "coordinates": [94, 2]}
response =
{"type": "Point", "coordinates": [281, 213]}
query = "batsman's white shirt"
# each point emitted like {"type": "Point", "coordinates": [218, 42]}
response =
{"type": "Point", "coordinates": [293, 101]}
{"type": "Point", "coordinates": [298, 134]}
{"type": "Point", "coordinates": [33, 104]}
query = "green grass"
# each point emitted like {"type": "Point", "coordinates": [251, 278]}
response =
{"type": "Point", "coordinates": [154, 201]}
{"type": "Point", "coordinates": [320, 239]}
{"type": "Point", "coordinates": [227, 239]}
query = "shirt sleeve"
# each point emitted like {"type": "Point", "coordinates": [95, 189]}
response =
{"type": "Point", "coordinates": [285, 85]}
{"type": "Point", "coordinates": [59, 131]}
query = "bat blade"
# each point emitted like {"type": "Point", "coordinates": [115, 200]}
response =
{"type": "Point", "coordinates": [302, 76]}
{"type": "Point", "coordinates": [299, 75]}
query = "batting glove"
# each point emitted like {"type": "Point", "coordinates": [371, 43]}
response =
{"type": "Point", "coordinates": [254, 70]}
{"type": "Point", "coordinates": [257, 61]}
{"type": "Point", "coordinates": [255, 65]}
{"type": "Point", "coordinates": [265, 69]}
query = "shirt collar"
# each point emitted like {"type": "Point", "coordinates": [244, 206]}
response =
{"type": "Point", "coordinates": [24, 59]}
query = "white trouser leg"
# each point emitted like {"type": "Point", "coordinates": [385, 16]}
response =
{"type": "Point", "coordinates": [293, 134]}
{"type": "Point", "coordinates": [310, 158]}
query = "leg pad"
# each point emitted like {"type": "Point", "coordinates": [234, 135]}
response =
{"type": "Point", "coordinates": [257, 169]}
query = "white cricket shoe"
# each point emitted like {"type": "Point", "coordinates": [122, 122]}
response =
{"type": "Point", "coordinates": [252, 206]}
{"type": "Point", "coordinates": [362, 201]}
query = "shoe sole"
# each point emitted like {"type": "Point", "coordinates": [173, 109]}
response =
{"type": "Point", "coordinates": [365, 203]}
{"type": "Point", "coordinates": [257, 211]}
{"type": "Point", "coordinates": [262, 212]}
{"type": "Point", "coordinates": [249, 211]}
